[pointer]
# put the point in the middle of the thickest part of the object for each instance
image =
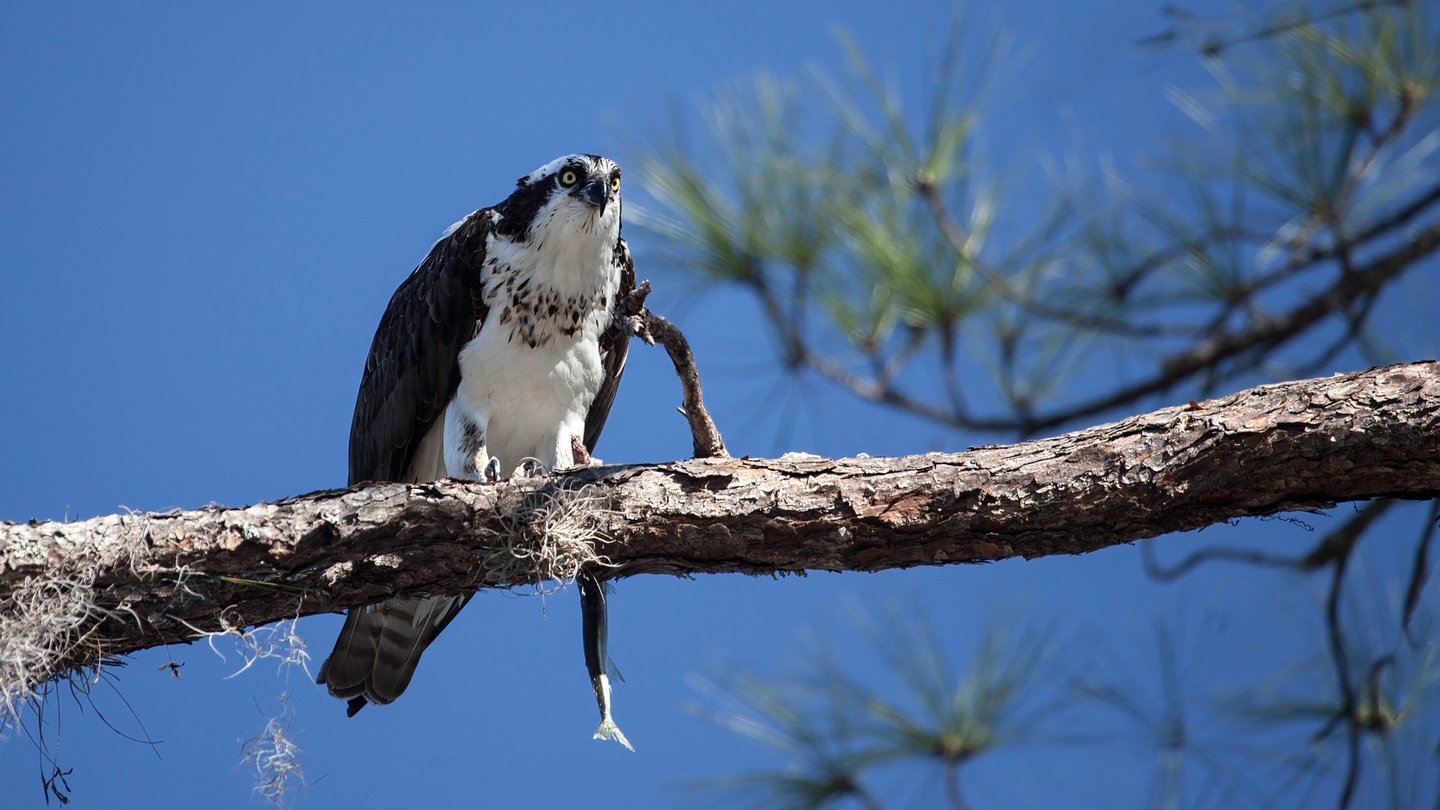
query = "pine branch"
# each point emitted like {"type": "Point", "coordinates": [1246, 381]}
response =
{"type": "Point", "coordinates": [159, 578]}
{"type": "Point", "coordinates": [1359, 283]}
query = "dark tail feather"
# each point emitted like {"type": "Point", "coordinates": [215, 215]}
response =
{"type": "Point", "coordinates": [380, 646]}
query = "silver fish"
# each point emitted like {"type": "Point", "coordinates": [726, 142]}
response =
{"type": "Point", "coordinates": [594, 621]}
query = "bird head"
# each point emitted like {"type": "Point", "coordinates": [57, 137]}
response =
{"type": "Point", "coordinates": [574, 192]}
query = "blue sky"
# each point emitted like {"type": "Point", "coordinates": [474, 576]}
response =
{"type": "Point", "coordinates": [205, 210]}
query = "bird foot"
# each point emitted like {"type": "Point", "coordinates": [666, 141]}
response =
{"type": "Point", "coordinates": [492, 470]}
{"type": "Point", "coordinates": [581, 456]}
{"type": "Point", "coordinates": [640, 327]}
{"type": "Point", "coordinates": [530, 467]}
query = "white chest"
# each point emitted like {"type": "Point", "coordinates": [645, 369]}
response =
{"type": "Point", "coordinates": [529, 376]}
{"type": "Point", "coordinates": [528, 401]}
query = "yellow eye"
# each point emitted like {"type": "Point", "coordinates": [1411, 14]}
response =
{"type": "Point", "coordinates": [615, 184]}
{"type": "Point", "coordinates": [569, 178]}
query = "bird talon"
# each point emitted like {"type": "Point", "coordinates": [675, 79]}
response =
{"type": "Point", "coordinates": [640, 328]}
{"type": "Point", "coordinates": [581, 456]}
{"type": "Point", "coordinates": [529, 468]}
{"type": "Point", "coordinates": [492, 470]}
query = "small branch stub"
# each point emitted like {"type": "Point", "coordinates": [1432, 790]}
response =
{"type": "Point", "coordinates": [654, 329]}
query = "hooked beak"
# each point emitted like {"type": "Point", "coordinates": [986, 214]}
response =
{"type": "Point", "coordinates": [597, 193]}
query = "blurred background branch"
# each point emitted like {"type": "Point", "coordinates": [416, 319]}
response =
{"type": "Point", "coordinates": [863, 229]}
{"type": "Point", "coordinates": [862, 222]}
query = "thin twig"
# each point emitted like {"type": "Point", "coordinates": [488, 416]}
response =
{"type": "Point", "coordinates": [1213, 47]}
{"type": "Point", "coordinates": [1270, 332]}
{"type": "Point", "coordinates": [1420, 569]}
{"type": "Point", "coordinates": [1362, 284]}
{"type": "Point", "coordinates": [1300, 260]}
{"type": "Point", "coordinates": [653, 329]}
{"type": "Point", "coordinates": [1334, 544]}
{"type": "Point", "coordinates": [1346, 712]}
{"type": "Point", "coordinates": [1175, 369]}
{"type": "Point", "coordinates": [1089, 321]}
{"type": "Point", "coordinates": [1161, 573]}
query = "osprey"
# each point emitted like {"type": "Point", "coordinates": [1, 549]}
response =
{"type": "Point", "coordinates": [500, 350]}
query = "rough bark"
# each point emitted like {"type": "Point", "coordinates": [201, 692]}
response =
{"type": "Point", "coordinates": [1292, 446]}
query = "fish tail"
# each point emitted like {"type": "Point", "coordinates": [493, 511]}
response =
{"type": "Point", "coordinates": [607, 730]}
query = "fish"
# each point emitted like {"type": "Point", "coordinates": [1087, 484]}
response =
{"type": "Point", "coordinates": [594, 627]}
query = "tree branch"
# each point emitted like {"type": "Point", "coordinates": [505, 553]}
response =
{"type": "Point", "coordinates": [705, 436]}
{"type": "Point", "coordinates": [1265, 333]}
{"type": "Point", "coordinates": [1363, 284]}
{"type": "Point", "coordinates": [158, 578]}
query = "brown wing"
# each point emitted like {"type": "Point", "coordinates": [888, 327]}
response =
{"type": "Point", "coordinates": [410, 377]}
{"type": "Point", "coordinates": [413, 368]}
{"type": "Point", "coordinates": [614, 347]}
